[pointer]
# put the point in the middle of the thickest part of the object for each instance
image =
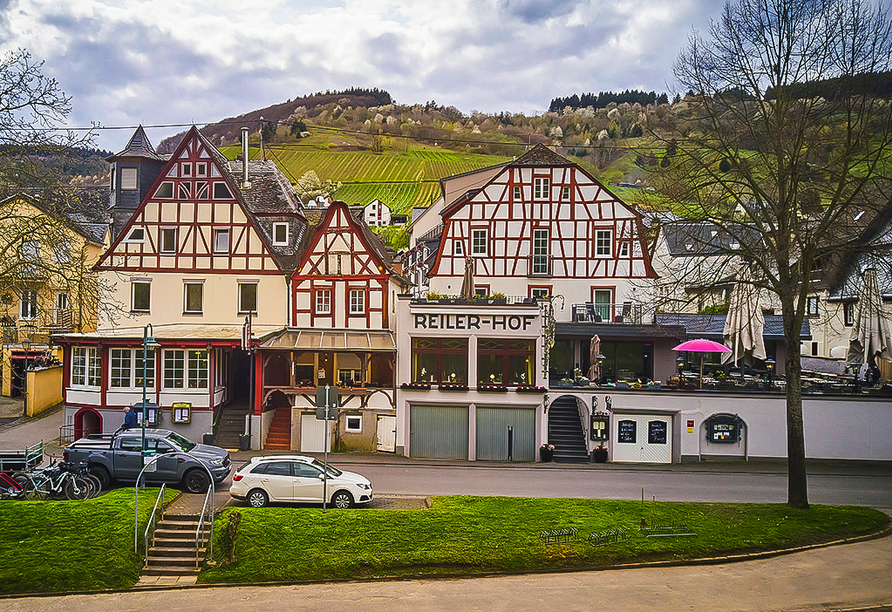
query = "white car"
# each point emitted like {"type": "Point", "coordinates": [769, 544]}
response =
{"type": "Point", "coordinates": [295, 478]}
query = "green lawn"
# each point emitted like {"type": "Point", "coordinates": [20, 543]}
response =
{"type": "Point", "coordinates": [471, 535]}
{"type": "Point", "coordinates": [54, 546]}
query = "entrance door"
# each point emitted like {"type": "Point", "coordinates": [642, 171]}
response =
{"type": "Point", "coordinates": [642, 438]}
{"type": "Point", "coordinates": [386, 433]}
{"type": "Point", "coordinates": [312, 434]}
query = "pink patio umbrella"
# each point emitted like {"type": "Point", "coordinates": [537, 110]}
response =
{"type": "Point", "coordinates": [702, 345]}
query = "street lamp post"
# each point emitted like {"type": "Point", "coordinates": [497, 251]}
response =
{"type": "Point", "coordinates": [26, 345]}
{"type": "Point", "coordinates": [148, 341]}
{"type": "Point", "coordinates": [769, 365]}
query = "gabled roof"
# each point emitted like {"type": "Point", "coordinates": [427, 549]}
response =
{"type": "Point", "coordinates": [139, 146]}
{"type": "Point", "coordinates": [540, 155]}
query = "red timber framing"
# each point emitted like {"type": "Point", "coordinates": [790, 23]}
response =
{"type": "Point", "coordinates": [560, 198]}
{"type": "Point", "coordinates": [339, 260]}
{"type": "Point", "coordinates": [192, 221]}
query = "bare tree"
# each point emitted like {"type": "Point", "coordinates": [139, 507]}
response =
{"type": "Point", "coordinates": [790, 144]}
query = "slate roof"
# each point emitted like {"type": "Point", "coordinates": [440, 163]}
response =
{"type": "Point", "coordinates": [139, 146]}
{"type": "Point", "coordinates": [689, 239]}
{"type": "Point", "coordinates": [712, 327]}
{"type": "Point", "coordinates": [85, 210]}
{"type": "Point", "coordinates": [540, 155]}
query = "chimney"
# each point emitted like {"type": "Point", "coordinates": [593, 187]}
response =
{"type": "Point", "coordinates": [245, 182]}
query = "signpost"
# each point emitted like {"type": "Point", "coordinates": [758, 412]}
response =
{"type": "Point", "coordinates": [326, 410]}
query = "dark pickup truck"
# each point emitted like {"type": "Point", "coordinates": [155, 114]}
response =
{"type": "Point", "coordinates": [119, 457]}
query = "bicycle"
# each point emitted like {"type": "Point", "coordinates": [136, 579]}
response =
{"type": "Point", "coordinates": [55, 482]}
{"type": "Point", "coordinates": [11, 485]}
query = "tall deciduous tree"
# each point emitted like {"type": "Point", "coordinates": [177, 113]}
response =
{"type": "Point", "coordinates": [781, 90]}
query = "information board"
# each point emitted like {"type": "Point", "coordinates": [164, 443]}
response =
{"type": "Point", "coordinates": [656, 432]}
{"type": "Point", "coordinates": [627, 432]}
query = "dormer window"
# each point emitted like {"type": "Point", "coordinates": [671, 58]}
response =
{"type": "Point", "coordinates": [136, 234]}
{"type": "Point", "coordinates": [280, 234]}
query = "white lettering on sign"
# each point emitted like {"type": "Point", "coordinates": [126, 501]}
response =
{"type": "Point", "coordinates": [470, 321]}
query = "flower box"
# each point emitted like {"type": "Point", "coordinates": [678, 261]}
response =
{"type": "Point", "coordinates": [453, 387]}
{"type": "Point", "coordinates": [531, 389]}
{"type": "Point", "coordinates": [416, 386]}
{"type": "Point", "coordinates": [492, 388]}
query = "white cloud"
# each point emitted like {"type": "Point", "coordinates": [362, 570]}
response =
{"type": "Point", "coordinates": [169, 61]}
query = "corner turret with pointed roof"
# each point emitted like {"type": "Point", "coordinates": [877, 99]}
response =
{"type": "Point", "coordinates": [133, 171]}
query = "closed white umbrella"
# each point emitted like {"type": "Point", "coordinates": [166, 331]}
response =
{"type": "Point", "coordinates": [872, 330]}
{"type": "Point", "coordinates": [744, 325]}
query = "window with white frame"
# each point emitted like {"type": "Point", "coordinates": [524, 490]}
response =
{"type": "Point", "coordinates": [165, 190]}
{"type": "Point", "coordinates": [201, 169]}
{"type": "Point", "coordinates": [848, 313]}
{"type": "Point", "coordinates": [186, 169]}
{"type": "Point", "coordinates": [479, 242]}
{"type": "Point", "coordinates": [28, 305]}
{"type": "Point", "coordinates": [603, 243]}
{"type": "Point", "coordinates": [136, 234]}
{"type": "Point", "coordinates": [354, 423]}
{"type": "Point", "coordinates": [624, 248]}
{"type": "Point", "coordinates": [247, 297]}
{"type": "Point", "coordinates": [185, 369]}
{"type": "Point", "coordinates": [357, 301]}
{"type": "Point", "coordinates": [85, 366]}
{"type": "Point", "coordinates": [323, 301]}
{"type": "Point", "coordinates": [128, 178]}
{"type": "Point", "coordinates": [280, 234]}
{"type": "Point", "coordinates": [221, 240]}
{"type": "Point", "coordinates": [540, 257]}
{"type": "Point", "coordinates": [811, 306]}
{"type": "Point", "coordinates": [221, 191]}
{"type": "Point", "coordinates": [140, 295]}
{"type": "Point", "coordinates": [193, 294]}
{"type": "Point", "coordinates": [518, 193]}
{"type": "Point", "coordinates": [541, 187]}
{"type": "Point", "coordinates": [121, 369]}
{"type": "Point", "coordinates": [149, 366]}
{"type": "Point", "coordinates": [168, 239]}
{"type": "Point", "coordinates": [565, 194]}
{"type": "Point", "coordinates": [457, 247]}
{"type": "Point", "coordinates": [61, 301]}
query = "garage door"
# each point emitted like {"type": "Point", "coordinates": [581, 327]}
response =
{"type": "Point", "coordinates": [493, 434]}
{"type": "Point", "coordinates": [642, 438]}
{"type": "Point", "coordinates": [438, 432]}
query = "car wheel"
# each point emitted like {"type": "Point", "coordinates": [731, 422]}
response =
{"type": "Point", "coordinates": [342, 500]}
{"type": "Point", "coordinates": [101, 474]}
{"type": "Point", "coordinates": [257, 498]}
{"type": "Point", "coordinates": [196, 481]}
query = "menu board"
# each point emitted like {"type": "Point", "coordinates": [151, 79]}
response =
{"type": "Point", "coordinates": [656, 432]}
{"type": "Point", "coordinates": [626, 432]}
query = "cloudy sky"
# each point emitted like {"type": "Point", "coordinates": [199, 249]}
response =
{"type": "Point", "coordinates": [163, 62]}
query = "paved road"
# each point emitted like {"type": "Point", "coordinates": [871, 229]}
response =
{"type": "Point", "coordinates": [727, 483]}
{"type": "Point", "coordinates": [849, 577]}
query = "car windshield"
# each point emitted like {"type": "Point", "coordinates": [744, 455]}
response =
{"type": "Point", "coordinates": [179, 442]}
{"type": "Point", "coordinates": [333, 472]}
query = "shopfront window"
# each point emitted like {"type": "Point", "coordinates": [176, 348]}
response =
{"type": "Point", "coordinates": [440, 360]}
{"type": "Point", "coordinates": [505, 362]}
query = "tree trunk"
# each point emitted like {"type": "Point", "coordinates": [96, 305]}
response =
{"type": "Point", "coordinates": [797, 481]}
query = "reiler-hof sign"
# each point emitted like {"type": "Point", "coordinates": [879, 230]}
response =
{"type": "Point", "coordinates": [473, 321]}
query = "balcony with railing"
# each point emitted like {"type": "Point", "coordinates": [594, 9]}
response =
{"type": "Point", "coordinates": [600, 312]}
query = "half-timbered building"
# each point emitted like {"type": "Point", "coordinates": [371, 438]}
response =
{"type": "Point", "coordinates": [341, 335]}
{"type": "Point", "coordinates": [211, 243]}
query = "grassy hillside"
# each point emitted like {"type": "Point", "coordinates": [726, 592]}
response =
{"type": "Point", "coordinates": [401, 179]}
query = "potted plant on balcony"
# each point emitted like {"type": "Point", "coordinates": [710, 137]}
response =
{"type": "Point", "coordinates": [599, 455]}
{"type": "Point", "coordinates": [546, 452]}
{"type": "Point", "coordinates": [499, 299]}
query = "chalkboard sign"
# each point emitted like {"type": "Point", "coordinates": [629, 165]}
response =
{"type": "Point", "coordinates": [656, 432]}
{"type": "Point", "coordinates": [626, 432]}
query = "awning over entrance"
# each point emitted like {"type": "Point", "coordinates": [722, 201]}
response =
{"type": "Point", "coordinates": [332, 340]}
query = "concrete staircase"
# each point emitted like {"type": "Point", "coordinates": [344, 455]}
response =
{"type": "Point", "coordinates": [279, 436]}
{"type": "Point", "coordinates": [173, 551]}
{"type": "Point", "coordinates": [565, 431]}
{"type": "Point", "coordinates": [232, 424]}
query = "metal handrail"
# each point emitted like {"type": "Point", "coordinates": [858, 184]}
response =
{"type": "Point", "coordinates": [151, 524]}
{"type": "Point", "coordinates": [199, 532]}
